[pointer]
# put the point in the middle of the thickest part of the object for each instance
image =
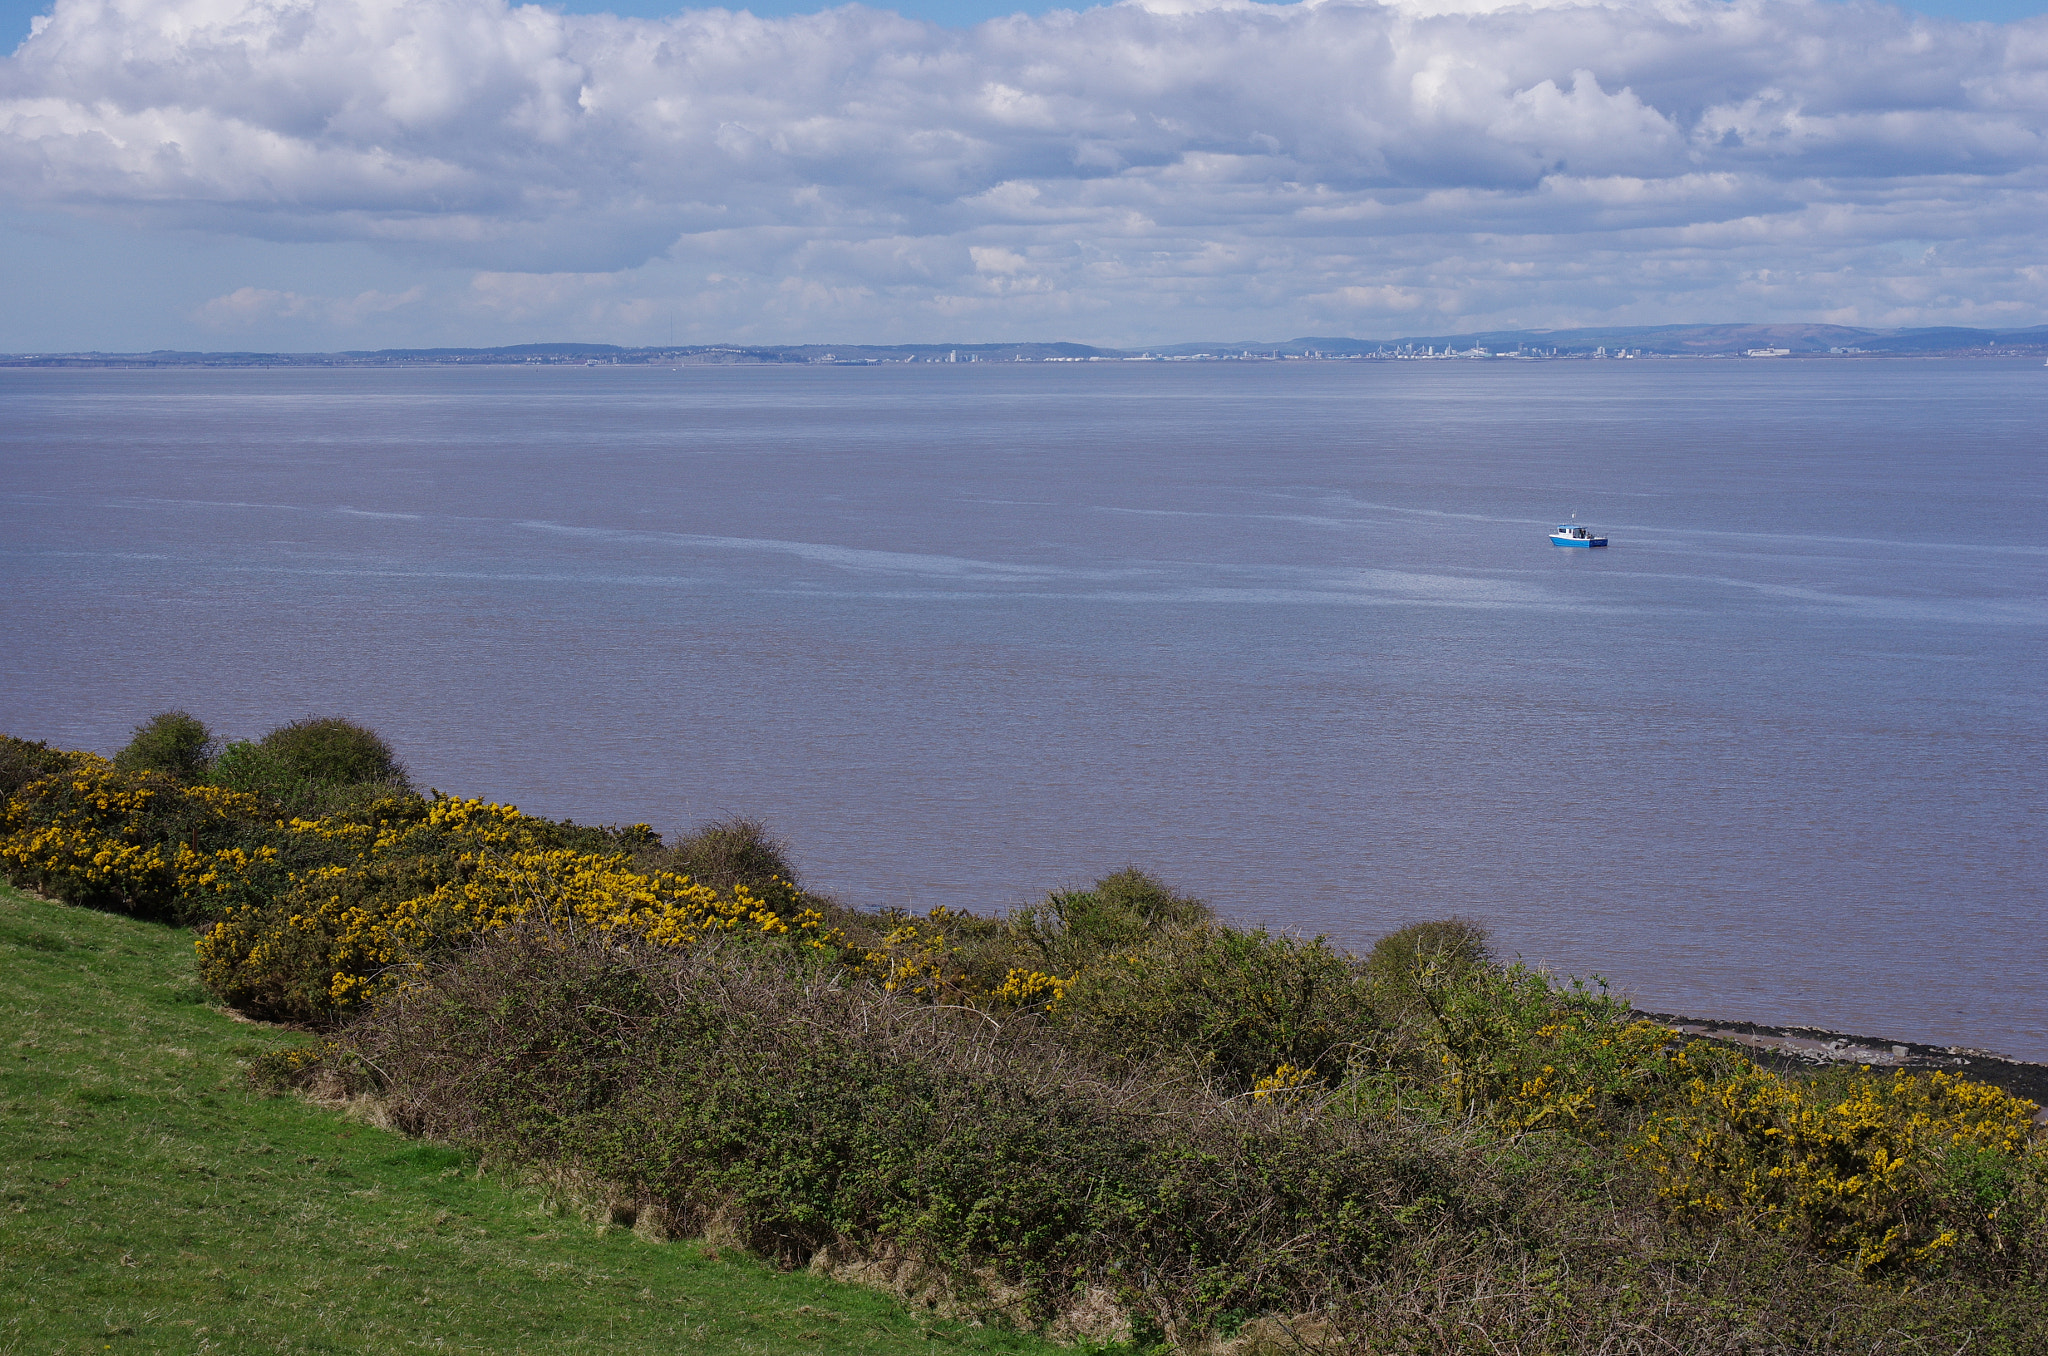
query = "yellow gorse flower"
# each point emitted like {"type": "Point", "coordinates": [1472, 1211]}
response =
{"type": "Point", "coordinates": [486, 869]}
{"type": "Point", "coordinates": [95, 832]}
{"type": "Point", "coordinates": [1841, 1172]}
{"type": "Point", "coordinates": [1285, 1083]}
{"type": "Point", "coordinates": [1031, 989]}
{"type": "Point", "coordinates": [916, 957]}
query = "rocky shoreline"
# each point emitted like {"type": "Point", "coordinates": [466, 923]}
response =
{"type": "Point", "coordinates": [1795, 1046]}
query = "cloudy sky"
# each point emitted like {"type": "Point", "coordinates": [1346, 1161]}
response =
{"type": "Point", "coordinates": [317, 174]}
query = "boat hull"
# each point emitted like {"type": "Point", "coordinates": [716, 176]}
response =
{"type": "Point", "coordinates": [1578, 541]}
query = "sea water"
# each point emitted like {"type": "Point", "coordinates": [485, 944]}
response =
{"type": "Point", "coordinates": [1290, 636]}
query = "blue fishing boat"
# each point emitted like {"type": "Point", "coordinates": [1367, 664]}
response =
{"type": "Point", "coordinates": [1571, 534]}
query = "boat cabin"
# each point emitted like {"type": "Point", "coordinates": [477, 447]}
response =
{"type": "Point", "coordinates": [1571, 534]}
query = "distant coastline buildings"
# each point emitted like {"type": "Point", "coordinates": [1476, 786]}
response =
{"type": "Point", "coordinates": [1722, 342]}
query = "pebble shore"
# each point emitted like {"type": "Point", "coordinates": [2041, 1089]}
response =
{"type": "Point", "coordinates": [1783, 1046]}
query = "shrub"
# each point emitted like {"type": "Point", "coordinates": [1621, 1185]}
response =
{"type": "Point", "coordinates": [1887, 1173]}
{"type": "Point", "coordinates": [1023, 962]}
{"type": "Point", "coordinates": [24, 760]}
{"type": "Point", "coordinates": [1536, 1053]}
{"type": "Point", "coordinates": [322, 895]}
{"type": "Point", "coordinates": [732, 851]}
{"type": "Point", "coordinates": [1077, 928]}
{"type": "Point", "coordinates": [920, 957]}
{"type": "Point", "coordinates": [422, 878]}
{"type": "Point", "coordinates": [1401, 962]}
{"type": "Point", "coordinates": [176, 743]}
{"type": "Point", "coordinates": [141, 843]}
{"type": "Point", "coordinates": [801, 1113]}
{"type": "Point", "coordinates": [328, 749]}
{"type": "Point", "coordinates": [1110, 1094]}
{"type": "Point", "coordinates": [1233, 1005]}
{"type": "Point", "coordinates": [312, 768]}
{"type": "Point", "coordinates": [253, 770]}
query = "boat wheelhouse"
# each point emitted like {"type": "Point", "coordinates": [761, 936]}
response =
{"type": "Point", "coordinates": [1571, 534]}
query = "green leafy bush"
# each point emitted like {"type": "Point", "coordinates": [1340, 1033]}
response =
{"type": "Point", "coordinates": [246, 766]}
{"type": "Point", "coordinates": [313, 767]}
{"type": "Point", "coordinates": [987, 1149]}
{"type": "Point", "coordinates": [328, 749]}
{"type": "Point", "coordinates": [732, 851]}
{"type": "Point", "coordinates": [1074, 927]}
{"type": "Point", "coordinates": [1110, 1097]}
{"type": "Point", "coordinates": [176, 743]}
{"type": "Point", "coordinates": [1402, 963]}
{"type": "Point", "coordinates": [1233, 1005]}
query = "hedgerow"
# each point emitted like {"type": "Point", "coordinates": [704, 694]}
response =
{"type": "Point", "coordinates": [780, 1099]}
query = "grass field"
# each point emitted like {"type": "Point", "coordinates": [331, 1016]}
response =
{"type": "Point", "coordinates": [150, 1202]}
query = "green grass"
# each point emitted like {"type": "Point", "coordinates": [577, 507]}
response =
{"type": "Point", "coordinates": [149, 1201]}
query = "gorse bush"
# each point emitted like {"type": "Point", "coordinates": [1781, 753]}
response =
{"type": "Point", "coordinates": [1512, 1041]}
{"type": "Point", "coordinates": [420, 878]}
{"type": "Point", "coordinates": [732, 851]}
{"type": "Point", "coordinates": [322, 892]}
{"type": "Point", "coordinates": [142, 842]}
{"type": "Point", "coordinates": [25, 760]}
{"type": "Point", "coordinates": [1890, 1173]}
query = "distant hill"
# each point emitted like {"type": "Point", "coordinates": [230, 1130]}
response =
{"type": "Point", "coordinates": [1663, 340]}
{"type": "Point", "coordinates": [1675, 340]}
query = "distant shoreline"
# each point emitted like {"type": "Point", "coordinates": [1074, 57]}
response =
{"type": "Point", "coordinates": [666, 360]}
{"type": "Point", "coordinates": [1720, 342]}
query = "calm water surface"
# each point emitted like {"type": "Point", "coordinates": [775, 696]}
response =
{"type": "Point", "coordinates": [1288, 635]}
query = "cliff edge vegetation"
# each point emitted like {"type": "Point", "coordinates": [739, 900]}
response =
{"type": "Point", "coordinates": [1110, 1117]}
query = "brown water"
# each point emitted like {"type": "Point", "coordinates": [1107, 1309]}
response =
{"type": "Point", "coordinates": [1289, 635]}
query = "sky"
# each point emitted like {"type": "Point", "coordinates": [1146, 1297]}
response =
{"type": "Point", "coordinates": [348, 174]}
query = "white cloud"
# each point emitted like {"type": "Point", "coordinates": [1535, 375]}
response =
{"type": "Point", "coordinates": [254, 307]}
{"type": "Point", "coordinates": [1170, 163]}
